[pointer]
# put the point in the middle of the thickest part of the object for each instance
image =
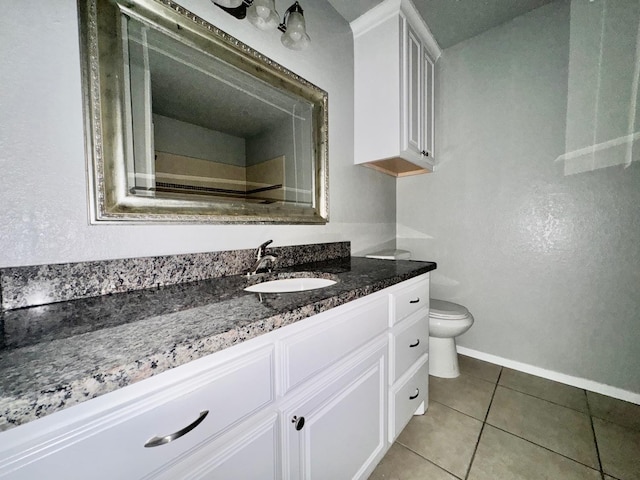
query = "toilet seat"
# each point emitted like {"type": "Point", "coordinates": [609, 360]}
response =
{"type": "Point", "coordinates": [447, 310]}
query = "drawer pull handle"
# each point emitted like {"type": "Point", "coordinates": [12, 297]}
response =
{"type": "Point", "coordinates": [415, 301]}
{"type": "Point", "coordinates": [415, 344]}
{"type": "Point", "coordinates": [416, 395]}
{"type": "Point", "coordinates": [157, 441]}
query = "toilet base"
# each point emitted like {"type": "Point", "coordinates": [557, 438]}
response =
{"type": "Point", "coordinates": [443, 358]}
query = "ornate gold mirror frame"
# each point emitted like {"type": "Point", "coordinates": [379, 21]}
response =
{"type": "Point", "coordinates": [107, 103]}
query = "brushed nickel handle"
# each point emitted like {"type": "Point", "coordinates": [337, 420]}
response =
{"type": "Point", "coordinates": [157, 441]}
{"type": "Point", "coordinates": [415, 344]}
{"type": "Point", "coordinates": [415, 301]}
{"type": "Point", "coordinates": [416, 395]}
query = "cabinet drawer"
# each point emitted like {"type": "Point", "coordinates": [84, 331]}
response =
{"type": "Point", "coordinates": [409, 342]}
{"type": "Point", "coordinates": [410, 299]}
{"type": "Point", "coordinates": [113, 446]}
{"type": "Point", "coordinates": [406, 397]}
{"type": "Point", "coordinates": [339, 334]}
{"type": "Point", "coordinates": [248, 452]}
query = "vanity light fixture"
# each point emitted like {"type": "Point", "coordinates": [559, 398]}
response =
{"type": "Point", "coordinates": [262, 14]}
{"type": "Point", "coordinates": [294, 29]}
{"type": "Point", "coordinates": [229, 3]}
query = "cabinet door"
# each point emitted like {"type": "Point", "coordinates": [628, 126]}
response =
{"type": "Point", "coordinates": [428, 68]}
{"type": "Point", "coordinates": [338, 432]}
{"type": "Point", "coordinates": [414, 88]}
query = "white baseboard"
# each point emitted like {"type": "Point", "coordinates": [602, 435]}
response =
{"type": "Point", "coordinates": [590, 385]}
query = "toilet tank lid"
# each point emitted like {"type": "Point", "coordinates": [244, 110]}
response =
{"type": "Point", "coordinates": [446, 309]}
{"type": "Point", "coordinates": [391, 255]}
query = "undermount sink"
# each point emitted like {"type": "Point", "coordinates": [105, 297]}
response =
{"type": "Point", "coordinates": [285, 285]}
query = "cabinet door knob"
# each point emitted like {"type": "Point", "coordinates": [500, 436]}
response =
{"type": "Point", "coordinates": [298, 422]}
{"type": "Point", "coordinates": [416, 395]}
{"type": "Point", "coordinates": [415, 301]}
{"type": "Point", "coordinates": [425, 153]}
{"type": "Point", "coordinates": [157, 441]}
{"type": "Point", "coordinates": [415, 344]}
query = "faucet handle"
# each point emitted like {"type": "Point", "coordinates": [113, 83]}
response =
{"type": "Point", "coordinates": [262, 249]}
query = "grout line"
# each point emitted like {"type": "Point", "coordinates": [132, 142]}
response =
{"type": "Point", "coordinates": [484, 422]}
{"type": "Point", "coordinates": [593, 430]}
{"type": "Point", "coordinates": [455, 410]}
{"type": "Point", "coordinates": [542, 446]}
{"type": "Point", "coordinates": [545, 399]}
{"type": "Point", "coordinates": [426, 459]}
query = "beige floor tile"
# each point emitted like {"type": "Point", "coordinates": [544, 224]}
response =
{"type": "Point", "coordinates": [444, 436]}
{"type": "Point", "coordinates": [558, 428]}
{"type": "Point", "coordinates": [614, 410]}
{"type": "Point", "coordinates": [619, 449]}
{"type": "Point", "coordinates": [466, 394]}
{"type": "Point", "coordinates": [555, 392]}
{"type": "Point", "coordinates": [479, 369]}
{"type": "Point", "coordinates": [400, 463]}
{"type": "Point", "coordinates": [501, 456]}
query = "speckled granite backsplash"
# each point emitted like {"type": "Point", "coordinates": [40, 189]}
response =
{"type": "Point", "coordinates": [42, 284]}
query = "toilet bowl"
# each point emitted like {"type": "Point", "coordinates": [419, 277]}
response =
{"type": "Point", "coordinates": [447, 320]}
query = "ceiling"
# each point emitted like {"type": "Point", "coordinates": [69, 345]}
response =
{"type": "Point", "coordinates": [451, 21]}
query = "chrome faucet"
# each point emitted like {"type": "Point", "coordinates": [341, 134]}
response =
{"type": "Point", "coordinates": [262, 259]}
{"type": "Point", "coordinates": [262, 249]}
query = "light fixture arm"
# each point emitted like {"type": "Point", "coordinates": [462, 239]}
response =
{"type": "Point", "coordinates": [293, 8]}
{"type": "Point", "coordinates": [239, 12]}
{"type": "Point", "coordinates": [264, 16]}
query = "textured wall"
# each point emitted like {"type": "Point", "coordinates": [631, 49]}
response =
{"type": "Point", "coordinates": [43, 193]}
{"type": "Point", "coordinates": [548, 263]}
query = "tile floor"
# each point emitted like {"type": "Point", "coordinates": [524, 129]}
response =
{"type": "Point", "coordinates": [493, 423]}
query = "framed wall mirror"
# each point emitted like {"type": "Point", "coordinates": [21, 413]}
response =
{"type": "Point", "coordinates": [185, 123]}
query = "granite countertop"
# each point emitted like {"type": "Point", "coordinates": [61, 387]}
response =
{"type": "Point", "coordinates": [60, 354]}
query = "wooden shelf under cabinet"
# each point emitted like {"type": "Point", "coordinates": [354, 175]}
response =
{"type": "Point", "coordinates": [397, 167]}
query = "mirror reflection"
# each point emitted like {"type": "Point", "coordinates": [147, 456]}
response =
{"type": "Point", "coordinates": [213, 130]}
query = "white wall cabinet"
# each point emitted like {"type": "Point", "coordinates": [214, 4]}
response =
{"type": "Point", "coordinates": [322, 398]}
{"type": "Point", "coordinates": [394, 68]}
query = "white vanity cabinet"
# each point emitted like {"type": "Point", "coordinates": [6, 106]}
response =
{"type": "Point", "coordinates": [321, 398]}
{"type": "Point", "coordinates": [394, 68]}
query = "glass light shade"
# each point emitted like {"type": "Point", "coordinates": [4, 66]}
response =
{"type": "Point", "coordinates": [228, 3]}
{"type": "Point", "coordinates": [262, 14]}
{"type": "Point", "coordinates": [295, 37]}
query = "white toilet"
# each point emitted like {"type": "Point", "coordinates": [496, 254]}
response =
{"type": "Point", "coordinates": [447, 320]}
